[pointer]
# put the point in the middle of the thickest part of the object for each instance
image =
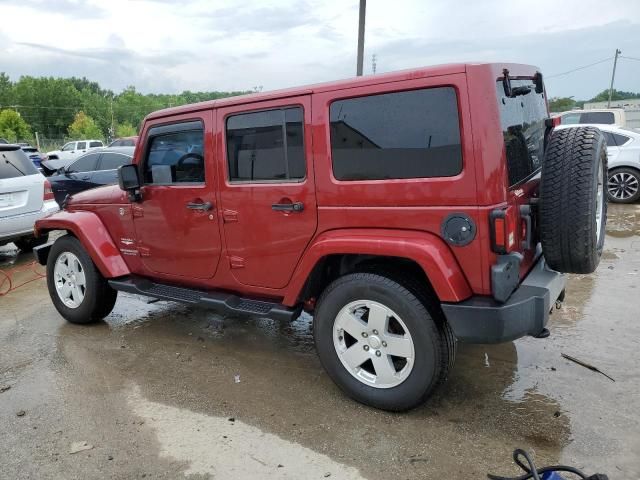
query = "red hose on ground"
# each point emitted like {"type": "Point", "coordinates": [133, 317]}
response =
{"type": "Point", "coordinates": [7, 277]}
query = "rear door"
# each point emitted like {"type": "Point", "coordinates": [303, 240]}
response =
{"type": "Point", "coordinates": [21, 185]}
{"type": "Point", "coordinates": [523, 124]}
{"type": "Point", "coordinates": [266, 188]}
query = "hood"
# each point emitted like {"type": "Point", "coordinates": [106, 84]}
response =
{"type": "Point", "coordinates": [99, 195]}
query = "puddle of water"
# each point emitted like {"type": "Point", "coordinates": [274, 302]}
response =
{"type": "Point", "coordinates": [231, 449]}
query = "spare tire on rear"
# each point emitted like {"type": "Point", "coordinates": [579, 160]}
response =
{"type": "Point", "coordinates": [573, 201]}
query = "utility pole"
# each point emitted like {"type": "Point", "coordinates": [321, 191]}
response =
{"type": "Point", "coordinates": [373, 63]}
{"type": "Point", "coordinates": [363, 8]}
{"type": "Point", "coordinates": [613, 75]}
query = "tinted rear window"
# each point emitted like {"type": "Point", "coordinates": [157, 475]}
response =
{"type": "Point", "coordinates": [411, 134]}
{"type": "Point", "coordinates": [523, 127]}
{"type": "Point", "coordinates": [606, 118]}
{"type": "Point", "coordinates": [14, 163]}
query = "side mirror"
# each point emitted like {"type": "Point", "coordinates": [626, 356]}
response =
{"type": "Point", "coordinates": [129, 181]}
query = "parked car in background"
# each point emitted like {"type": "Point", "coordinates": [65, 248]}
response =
{"type": "Point", "coordinates": [124, 142]}
{"type": "Point", "coordinates": [34, 155]}
{"type": "Point", "coordinates": [600, 116]}
{"type": "Point", "coordinates": [93, 169]}
{"type": "Point", "coordinates": [72, 150]}
{"type": "Point", "coordinates": [623, 151]}
{"type": "Point", "coordinates": [25, 196]}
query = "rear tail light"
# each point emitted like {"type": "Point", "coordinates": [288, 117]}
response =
{"type": "Point", "coordinates": [48, 191]}
{"type": "Point", "coordinates": [502, 229]}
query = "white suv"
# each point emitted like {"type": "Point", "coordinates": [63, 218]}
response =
{"type": "Point", "coordinates": [25, 196]}
{"type": "Point", "coordinates": [72, 150]}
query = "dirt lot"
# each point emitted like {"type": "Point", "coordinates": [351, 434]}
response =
{"type": "Point", "coordinates": [155, 391]}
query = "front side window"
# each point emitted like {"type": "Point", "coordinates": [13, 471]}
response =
{"type": "Point", "coordinates": [411, 134]}
{"type": "Point", "coordinates": [266, 146]}
{"type": "Point", "coordinates": [86, 163]}
{"type": "Point", "coordinates": [175, 154]}
{"type": "Point", "coordinates": [111, 161]}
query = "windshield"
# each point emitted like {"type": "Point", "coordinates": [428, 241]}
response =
{"type": "Point", "coordinates": [523, 126]}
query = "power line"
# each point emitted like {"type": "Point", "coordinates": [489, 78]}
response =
{"type": "Point", "coordinates": [629, 58]}
{"type": "Point", "coordinates": [579, 68]}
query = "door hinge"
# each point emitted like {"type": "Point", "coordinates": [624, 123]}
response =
{"type": "Point", "coordinates": [137, 211]}
{"type": "Point", "coordinates": [236, 262]}
{"type": "Point", "coordinates": [229, 216]}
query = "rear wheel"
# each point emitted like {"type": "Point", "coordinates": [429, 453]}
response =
{"type": "Point", "coordinates": [378, 342]}
{"type": "Point", "coordinates": [623, 185]}
{"type": "Point", "coordinates": [26, 244]}
{"type": "Point", "coordinates": [78, 290]}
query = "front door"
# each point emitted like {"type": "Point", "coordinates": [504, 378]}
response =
{"type": "Point", "coordinates": [266, 189]}
{"type": "Point", "coordinates": [176, 224]}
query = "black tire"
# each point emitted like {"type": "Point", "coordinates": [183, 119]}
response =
{"type": "Point", "coordinates": [620, 185]}
{"type": "Point", "coordinates": [26, 244]}
{"type": "Point", "coordinates": [99, 297]}
{"type": "Point", "coordinates": [568, 199]}
{"type": "Point", "coordinates": [431, 350]}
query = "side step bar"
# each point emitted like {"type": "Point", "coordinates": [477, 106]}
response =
{"type": "Point", "coordinates": [225, 303]}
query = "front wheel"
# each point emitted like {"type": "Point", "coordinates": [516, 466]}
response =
{"type": "Point", "coordinates": [378, 343]}
{"type": "Point", "coordinates": [78, 290]}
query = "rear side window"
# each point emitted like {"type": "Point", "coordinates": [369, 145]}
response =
{"type": "Point", "coordinates": [606, 118]}
{"type": "Point", "coordinates": [111, 161]}
{"type": "Point", "coordinates": [14, 163]}
{"type": "Point", "coordinates": [523, 127]}
{"type": "Point", "coordinates": [176, 154]}
{"type": "Point", "coordinates": [95, 144]}
{"type": "Point", "coordinates": [86, 163]}
{"type": "Point", "coordinates": [266, 146]}
{"type": "Point", "coordinates": [615, 140]}
{"type": "Point", "coordinates": [82, 145]}
{"type": "Point", "coordinates": [411, 134]}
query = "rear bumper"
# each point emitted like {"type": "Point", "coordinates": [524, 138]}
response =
{"type": "Point", "coordinates": [18, 226]}
{"type": "Point", "coordinates": [483, 320]}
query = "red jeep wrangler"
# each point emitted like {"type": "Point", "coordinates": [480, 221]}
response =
{"type": "Point", "coordinates": [407, 211]}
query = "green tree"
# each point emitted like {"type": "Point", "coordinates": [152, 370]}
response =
{"type": "Point", "coordinates": [126, 130]}
{"type": "Point", "coordinates": [84, 127]}
{"type": "Point", "coordinates": [603, 96]}
{"type": "Point", "coordinates": [13, 127]}
{"type": "Point", "coordinates": [561, 104]}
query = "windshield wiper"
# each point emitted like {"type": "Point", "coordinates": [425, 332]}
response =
{"type": "Point", "coordinates": [6, 160]}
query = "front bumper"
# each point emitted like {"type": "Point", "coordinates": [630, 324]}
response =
{"type": "Point", "coordinates": [483, 320]}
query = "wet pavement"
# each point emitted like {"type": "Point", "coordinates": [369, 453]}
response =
{"type": "Point", "coordinates": [162, 390]}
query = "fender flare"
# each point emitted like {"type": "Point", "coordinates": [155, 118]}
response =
{"type": "Point", "coordinates": [94, 237]}
{"type": "Point", "coordinates": [426, 249]}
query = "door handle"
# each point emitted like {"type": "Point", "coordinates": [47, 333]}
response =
{"type": "Point", "coordinates": [200, 206]}
{"type": "Point", "coordinates": [288, 207]}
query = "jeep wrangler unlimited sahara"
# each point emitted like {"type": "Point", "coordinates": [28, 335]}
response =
{"type": "Point", "coordinates": [406, 211]}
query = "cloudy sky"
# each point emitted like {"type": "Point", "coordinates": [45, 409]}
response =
{"type": "Point", "coordinates": [174, 45]}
